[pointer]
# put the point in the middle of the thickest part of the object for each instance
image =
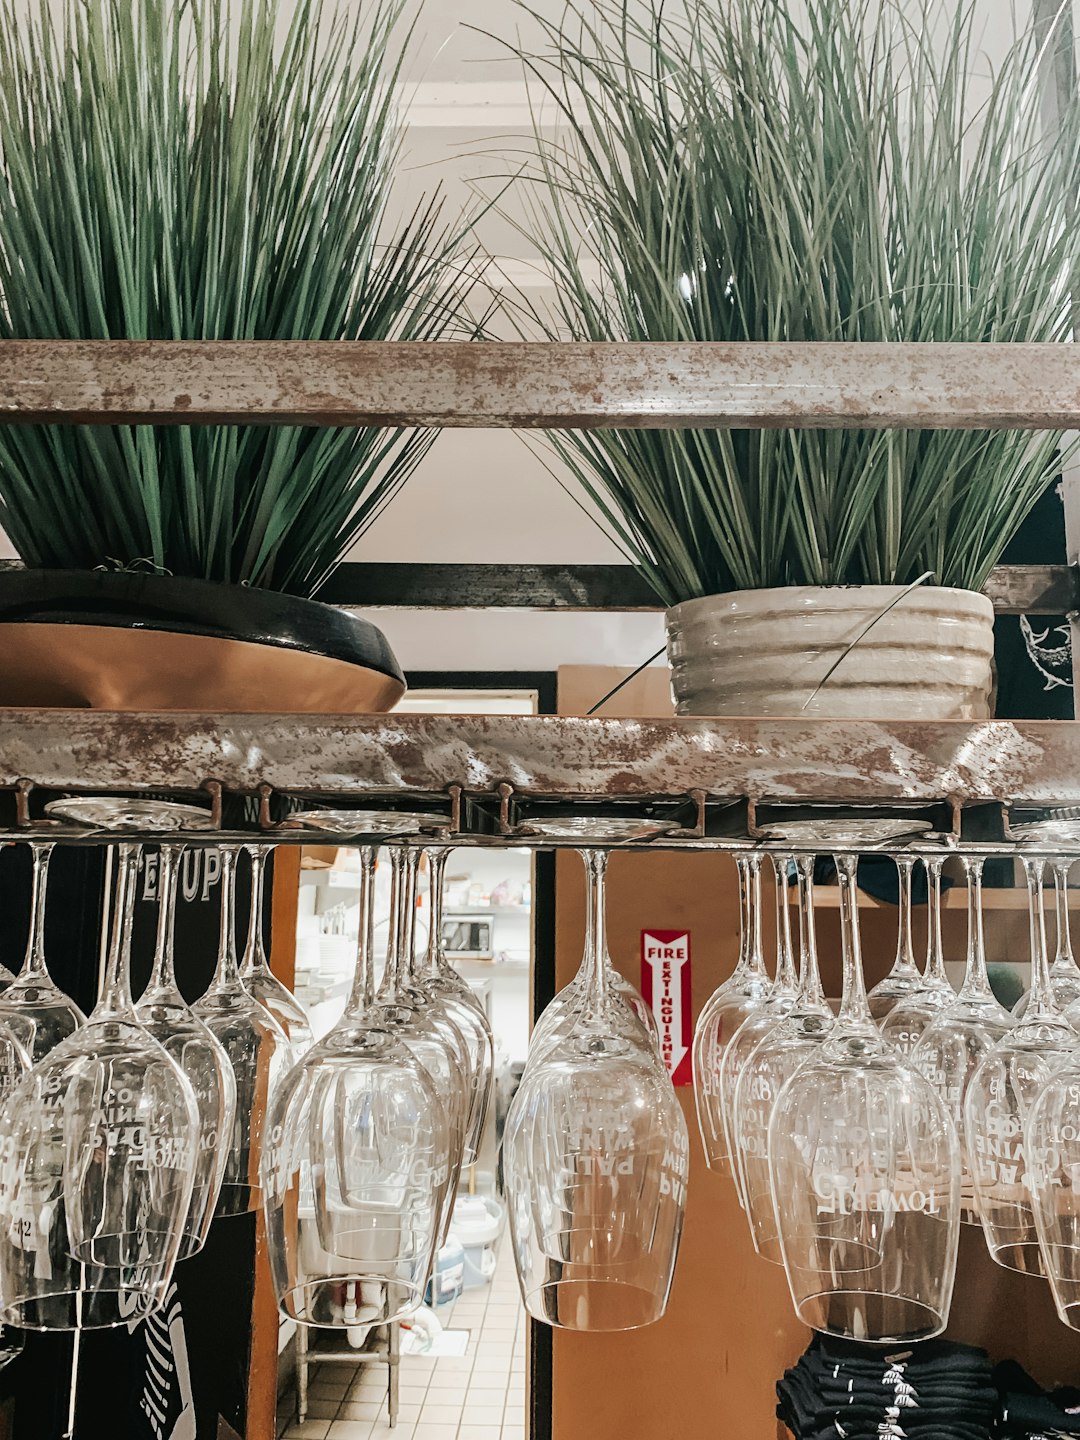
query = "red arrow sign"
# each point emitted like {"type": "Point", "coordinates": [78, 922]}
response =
{"type": "Point", "coordinates": [665, 984]}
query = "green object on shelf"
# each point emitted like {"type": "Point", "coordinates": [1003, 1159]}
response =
{"type": "Point", "coordinates": [754, 171]}
{"type": "Point", "coordinates": [208, 170]}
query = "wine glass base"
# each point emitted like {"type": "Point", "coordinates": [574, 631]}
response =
{"type": "Point", "coordinates": [1023, 1256]}
{"type": "Point", "coordinates": [126, 1250]}
{"type": "Point", "coordinates": [379, 1301]}
{"type": "Point", "coordinates": [870, 1317]}
{"type": "Point", "coordinates": [237, 1200]}
{"type": "Point", "coordinates": [594, 1305]}
{"type": "Point", "coordinates": [82, 1309]}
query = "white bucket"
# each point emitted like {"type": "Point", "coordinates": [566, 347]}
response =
{"type": "Point", "coordinates": [768, 653]}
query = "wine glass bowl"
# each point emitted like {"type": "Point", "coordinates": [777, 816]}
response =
{"type": "Point", "coordinates": [166, 1016]}
{"type": "Point", "coordinates": [780, 1051]}
{"type": "Point", "coordinates": [999, 1097]}
{"type": "Point", "coordinates": [357, 1164]}
{"type": "Point", "coordinates": [863, 1163]}
{"type": "Point", "coordinates": [97, 1144]}
{"type": "Point", "coordinates": [595, 1155]}
{"type": "Point", "coordinates": [256, 1048]}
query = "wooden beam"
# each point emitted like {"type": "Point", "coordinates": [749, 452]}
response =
{"type": "Point", "coordinates": [375, 585]}
{"type": "Point", "coordinates": [540, 385]}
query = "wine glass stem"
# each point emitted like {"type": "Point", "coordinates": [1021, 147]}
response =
{"type": "Point", "coordinates": [412, 874]}
{"type": "Point", "coordinates": [975, 977]}
{"type": "Point", "coordinates": [163, 974]}
{"type": "Point", "coordinates": [904, 949]}
{"type": "Point", "coordinates": [854, 1009]}
{"type": "Point", "coordinates": [596, 972]}
{"type": "Point", "coordinates": [254, 953]}
{"type": "Point", "coordinates": [437, 858]}
{"type": "Point", "coordinates": [363, 986]}
{"type": "Point", "coordinates": [228, 971]}
{"type": "Point", "coordinates": [810, 980]}
{"type": "Point", "coordinates": [1064, 954]}
{"type": "Point", "coordinates": [935, 952]}
{"type": "Point", "coordinates": [34, 964]}
{"type": "Point", "coordinates": [1041, 997]}
{"type": "Point", "coordinates": [785, 955]}
{"type": "Point", "coordinates": [750, 952]}
{"type": "Point", "coordinates": [392, 970]}
{"type": "Point", "coordinates": [116, 989]}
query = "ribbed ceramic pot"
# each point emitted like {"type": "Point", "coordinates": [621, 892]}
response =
{"type": "Point", "coordinates": [767, 652]}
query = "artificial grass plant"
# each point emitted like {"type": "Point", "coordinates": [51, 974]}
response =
{"type": "Point", "coordinates": [836, 170]}
{"type": "Point", "coordinates": [195, 169]}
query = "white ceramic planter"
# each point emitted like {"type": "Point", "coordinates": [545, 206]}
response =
{"type": "Point", "coordinates": [766, 652]}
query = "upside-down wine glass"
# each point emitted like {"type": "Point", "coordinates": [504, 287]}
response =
{"type": "Point", "coordinates": [762, 1020]}
{"type": "Point", "coordinates": [436, 978]}
{"type": "Point", "coordinates": [167, 1016]}
{"type": "Point", "coordinates": [255, 970]}
{"type": "Point", "coordinates": [33, 1006]}
{"type": "Point", "coordinates": [356, 1165]}
{"type": "Point", "coordinates": [98, 1144]}
{"type": "Point", "coordinates": [865, 1180]}
{"type": "Point", "coordinates": [745, 990]}
{"type": "Point", "coordinates": [427, 1032]}
{"type": "Point", "coordinates": [776, 1057]}
{"type": "Point", "coordinates": [1000, 1095]}
{"type": "Point", "coordinates": [904, 979]}
{"type": "Point", "coordinates": [954, 1043]}
{"type": "Point", "coordinates": [595, 1155]}
{"type": "Point", "coordinates": [561, 1013]}
{"type": "Point", "coordinates": [906, 1022]}
{"type": "Point", "coordinates": [257, 1048]}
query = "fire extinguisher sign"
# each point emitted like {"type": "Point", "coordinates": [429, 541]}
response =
{"type": "Point", "coordinates": [665, 984]}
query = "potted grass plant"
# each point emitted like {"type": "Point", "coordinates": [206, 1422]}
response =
{"type": "Point", "coordinates": [200, 170]}
{"type": "Point", "coordinates": [832, 171]}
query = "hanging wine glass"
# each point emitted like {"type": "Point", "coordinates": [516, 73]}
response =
{"type": "Point", "coordinates": [745, 990]}
{"type": "Point", "coordinates": [595, 1155]}
{"type": "Point", "coordinates": [33, 1006]}
{"type": "Point", "coordinates": [561, 1013]}
{"type": "Point", "coordinates": [429, 1036]}
{"type": "Point", "coordinates": [906, 1022]}
{"type": "Point", "coordinates": [778, 1054]}
{"type": "Point", "coordinates": [166, 1015]}
{"type": "Point", "coordinates": [865, 1178]}
{"type": "Point", "coordinates": [257, 1049]}
{"type": "Point", "coordinates": [904, 979]}
{"type": "Point", "coordinates": [356, 1165]}
{"type": "Point", "coordinates": [1000, 1095]}
{"type": "Point", "coordinates": [255, 970]}
{"type": "Point", "coordinates": [440, 983]}
{"type": "Point", "coordinates": [98, 1145]}
{"type": "Point", "coordinates": [764, 1019]}
{"type": "Point", "coordinates": [954, 1043]}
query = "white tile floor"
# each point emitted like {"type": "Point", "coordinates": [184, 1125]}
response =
{"type": "Point", "coordinates": [480, 1396]}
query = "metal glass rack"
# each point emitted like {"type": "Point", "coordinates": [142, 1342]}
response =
{"type": "Point", "coordinates": [483, 778]}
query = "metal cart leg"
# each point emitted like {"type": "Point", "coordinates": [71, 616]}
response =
{"type": "Point", "coordinates": [301, 1373]}
{"type": "Point", "coordinates": [393, 1362]}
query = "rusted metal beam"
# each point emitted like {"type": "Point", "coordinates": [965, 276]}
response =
{"type": "Point", "coordinates": [1014, 589]}
{"type": "Point", "coordinates": [411, 756]}
{"type": "Point", "coordinates": [541, 385]}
